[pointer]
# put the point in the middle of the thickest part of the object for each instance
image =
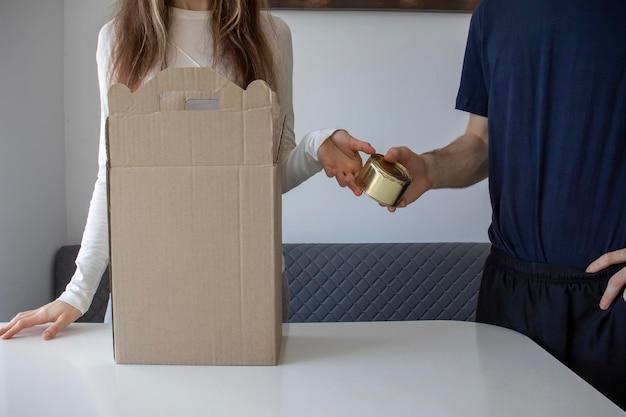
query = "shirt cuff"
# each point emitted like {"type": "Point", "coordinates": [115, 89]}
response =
{"type": "Point", "coordinates": [315, 140]}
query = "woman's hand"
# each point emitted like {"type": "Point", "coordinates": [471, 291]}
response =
{"type": "Point", "coordinates": [616, 282]}
{"type": "Point", "coordinates": [58, 312]}
{"type": "Point", "coordinates": [339, 157]}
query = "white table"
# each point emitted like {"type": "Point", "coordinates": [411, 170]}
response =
{"type": "Point", "coordinates": [378, 369]}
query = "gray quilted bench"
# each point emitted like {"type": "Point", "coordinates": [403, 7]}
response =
{"type": "Point", "coordinates": [356, 281]}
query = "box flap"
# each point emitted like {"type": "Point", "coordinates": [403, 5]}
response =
{"type": "Point", "coordinates": [163, 133]}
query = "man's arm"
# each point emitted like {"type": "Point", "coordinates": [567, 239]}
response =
{"type": "Point", "coordinates": [462, 163]}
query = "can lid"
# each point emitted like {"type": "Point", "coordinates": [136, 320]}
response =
{"type": "Point", "coordinates": [391, 170]}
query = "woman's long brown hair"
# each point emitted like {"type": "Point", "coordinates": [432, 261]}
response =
{"type": "Point", "coordinates": [239, 42]}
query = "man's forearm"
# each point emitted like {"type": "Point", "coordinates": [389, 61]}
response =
{"type": "Point", "coordinates": [460, 164]}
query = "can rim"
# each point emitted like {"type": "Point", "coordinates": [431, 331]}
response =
{"type": "Point", "coordinates": [375, 162]}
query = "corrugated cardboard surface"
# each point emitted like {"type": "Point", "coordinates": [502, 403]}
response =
{"type": "Point", "coordinates": [195, 222]}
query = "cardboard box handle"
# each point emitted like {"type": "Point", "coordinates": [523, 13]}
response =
{"type": "Point", "coordinates": [202, 104]}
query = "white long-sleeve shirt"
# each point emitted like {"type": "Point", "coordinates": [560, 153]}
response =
{"type": "Point", "coordinates": [190, 46]}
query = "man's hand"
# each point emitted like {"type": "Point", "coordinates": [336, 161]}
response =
{"type": "Point", "coordinates": [417, 167]}
{"type": "Point", "coordinates": [339, 157]}
{"type": "Point", "coordinates": [59, 313]}
{"type": "Point", "coordinates": [462, 163]}
{"type": "Point", "coordinates": [616, 282]}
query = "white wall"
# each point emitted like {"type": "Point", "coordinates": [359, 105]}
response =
{"type": "Point", "coordinates": [388, 77]}
{"type": "Point", "coordinates": [32, 163]}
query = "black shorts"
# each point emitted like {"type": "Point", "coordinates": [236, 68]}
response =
{"type": "Point", "coordinates": [558, 307]}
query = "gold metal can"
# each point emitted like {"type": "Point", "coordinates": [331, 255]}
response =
{"type": "Point", "coordinates": [383, 181]}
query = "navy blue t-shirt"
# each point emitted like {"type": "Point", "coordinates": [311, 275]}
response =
{"type": "Point", "coordinates": [551, 77]}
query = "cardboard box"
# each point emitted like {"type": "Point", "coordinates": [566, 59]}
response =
{"type": "Point", "coordinates": [195, 221]}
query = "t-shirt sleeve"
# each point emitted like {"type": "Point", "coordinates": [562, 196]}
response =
{"type": "Point", "coordinates": [93, 257]}
{"type": "Point", "coordinates": [299, 161]}
{"type": "Point", "coordinates": [473, 94]}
